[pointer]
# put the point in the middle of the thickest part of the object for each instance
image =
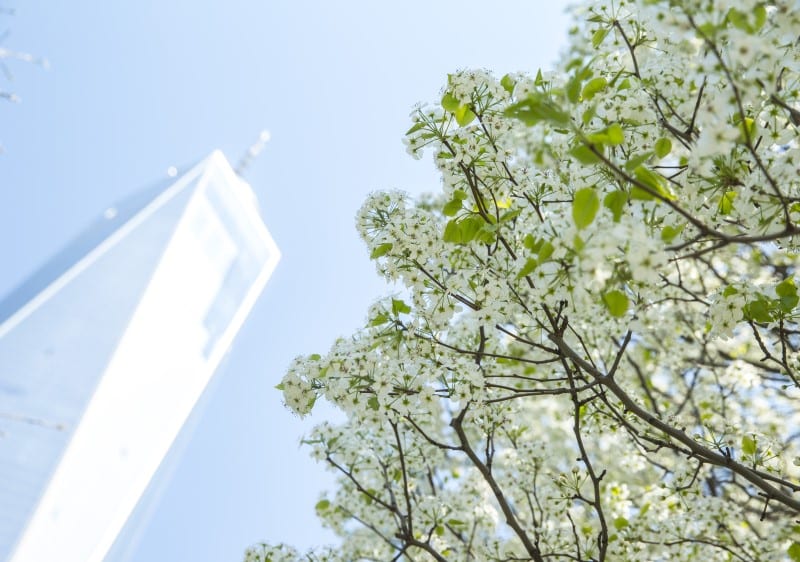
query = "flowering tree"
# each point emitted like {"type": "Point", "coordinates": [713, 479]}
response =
{"type": "Point", "coordinates": [595, 352]}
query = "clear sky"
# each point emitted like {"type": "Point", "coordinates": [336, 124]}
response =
{"type": "Point", "coordinates": [136, 87]}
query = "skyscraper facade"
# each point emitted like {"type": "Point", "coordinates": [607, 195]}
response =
{"type": "Point", "coordinates": [106, 349]}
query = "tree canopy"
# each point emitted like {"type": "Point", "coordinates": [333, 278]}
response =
{"type": "Point", "coordinates": [594, 354]}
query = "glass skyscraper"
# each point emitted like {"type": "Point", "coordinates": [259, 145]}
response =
{"type": "Point", "coordinates": [106, 349]}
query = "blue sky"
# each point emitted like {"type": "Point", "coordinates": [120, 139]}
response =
{"type": "Point", "coordinates": [134, 88]}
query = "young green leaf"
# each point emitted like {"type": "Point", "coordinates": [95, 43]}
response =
{"type": "Point", "coordinates": [615, 202]}
{"type": "Point", "coordinates": [598, 36]}
{"type": "Point", "coordinates": [531, 242]}
{"type": "Point", "coordinates": [760, 15]}
{"type": "Point", "coordinates": [726, 202]}
{"type": "Point", "coordinates": [464, 115]}
{"type": "Point", "coordinates": [616, 135]}
{"type": "Point", "coordinates": [536, 108]}
{"type": "Point", "coordinates": [616, 302]}
{"type": "Point", "coordinates": [794, 552]}
{"type": "Point", "coordinates": [668, 233]}
{"type": "Point", "coordinates": [585, 204]}
{"type": "Point", "coordinates": [787, 295]}
{"type": "Point", "coordinates": [380, 250]}
{"type": "Point", "coordinates": [452, 232]}
{"type": "Point", "coordinates": [452, 208]}
{"type": "Point", "coordinates": [545, 251]}
{"type": "Point", "coordinates": [593, 87]}
{"type": "Point", "coordinates": [415, 127]}
{"type": "Point", "coordinates": [637, 160]}
{"type": "Point", "coordinates": [400, 307]}
{"type": "Point", "coordinates": [786, 288]}
{"type": "Point", "coordinates": [586, 155]}
{"type": "Point", "coordinates": [449, 103]}
{"type": "Point", "coordinates": [470, 226]}
{"type": "Point", "coordinates": [748, 445]}
{"type": "Point", "coordinates": [574, 89]}
{"type": "Point", "coordinates": [662, 147]}
{"type": "Point", "coordinates": [507, 83]}
{"type": "Point", "coordinates": [758, 310]}
{"type": "Point", "coordinates": [653, 181]}
{"type": "Point", "coordinates": [530, 265]}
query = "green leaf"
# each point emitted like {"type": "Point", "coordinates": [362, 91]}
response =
{"type": "Point", "coordinates": [531, 242]}
{"type": "Point", "coordinates": [726, 202]}
{"type": "Point", "coordinates": [794, 552]}
{"type": "Point", "coordinates": [322, 505]}
{"type": "Point", "coordinates": [449, 103]}
{"type": "Point", "coordinates": [747, 129]}
{"type": "Point", "coordinates": [758, 311]}
{"type": "Point", "coordinates": [380, 250]}
{"type": "Point", "coordinates": [459, 194]}
{"type": "Point", "coordinates": [530, 265]}
{"type": "Point", "coordinates": [545, 251]}
{"type": "Point", "coordinates": [730, 290]}
{"type": "Point", "coordinates": [639, 194]}
{"type": "Point", "coordinates": [452, 208]}
{"type": "Point", "coordinates": [400, 307]}
{"type": "Point", "coordinates": [612, 135]}
{"type": "Point", "coordinates": [439, 530]}
{"type": "Point", "coordinates": [663, 147]}
{"type": "Point", "coordinates": [585, 204]}
{"type": "Point", "coordinates": [574, 89]}
{"type": "Point", "coordinates": [415, 127]}
{"type": "Point", "coordinates": [509, 215]}
{"type": "Point", "coordinates": [616, 302]}
{"type": "Point", "coordinates": [787, 295]}
{"type": "Point", "coordinates": [668, 233]}
{"type": "Point", "coordinates": [738, 19]}
{"type": "Point", "coordinates": [536, 108]}
{"type": "Point", "coordinates": [452, 232]}
{"type": "Point", "coordinates": [786, 288]}
{"type": "Point", "coordinates": [507, 83]}
{"type": "Point", "coordinates": [467, 229]}
{"type": "Point", "coordinates": [616, 135]}
{"type": "Point", "coordinates": [464, 115]}
{"type": "Point", "coordinates": [379, 320]}
{"type": "Point", "coordinates": [598, 36]}
{"type": "Point", "coordinates": [470, 226]}
{"type": "Point", "coordinates": [653, 181]}
{"type": "Point", "coordinates": [748, 445]}
{"type": "Point", "coordinates": [760, 13]}
{"type": "Point", "coordinates": [314, 357]}
{"type": "Point", "coordinates": [741, 20]}
{"type": "Point", "coordinates": [593, 87]}
{"type": "Point", "coordinates": [373, 403]}
{"type": "Point", "coordinates": [636, 161]}
{"type": "Point", "coordinates": [585, 155]}
{"type": "Point", "coordinates": [615, 202]}
{"type": "Point", "coordinates": [620, 523]}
